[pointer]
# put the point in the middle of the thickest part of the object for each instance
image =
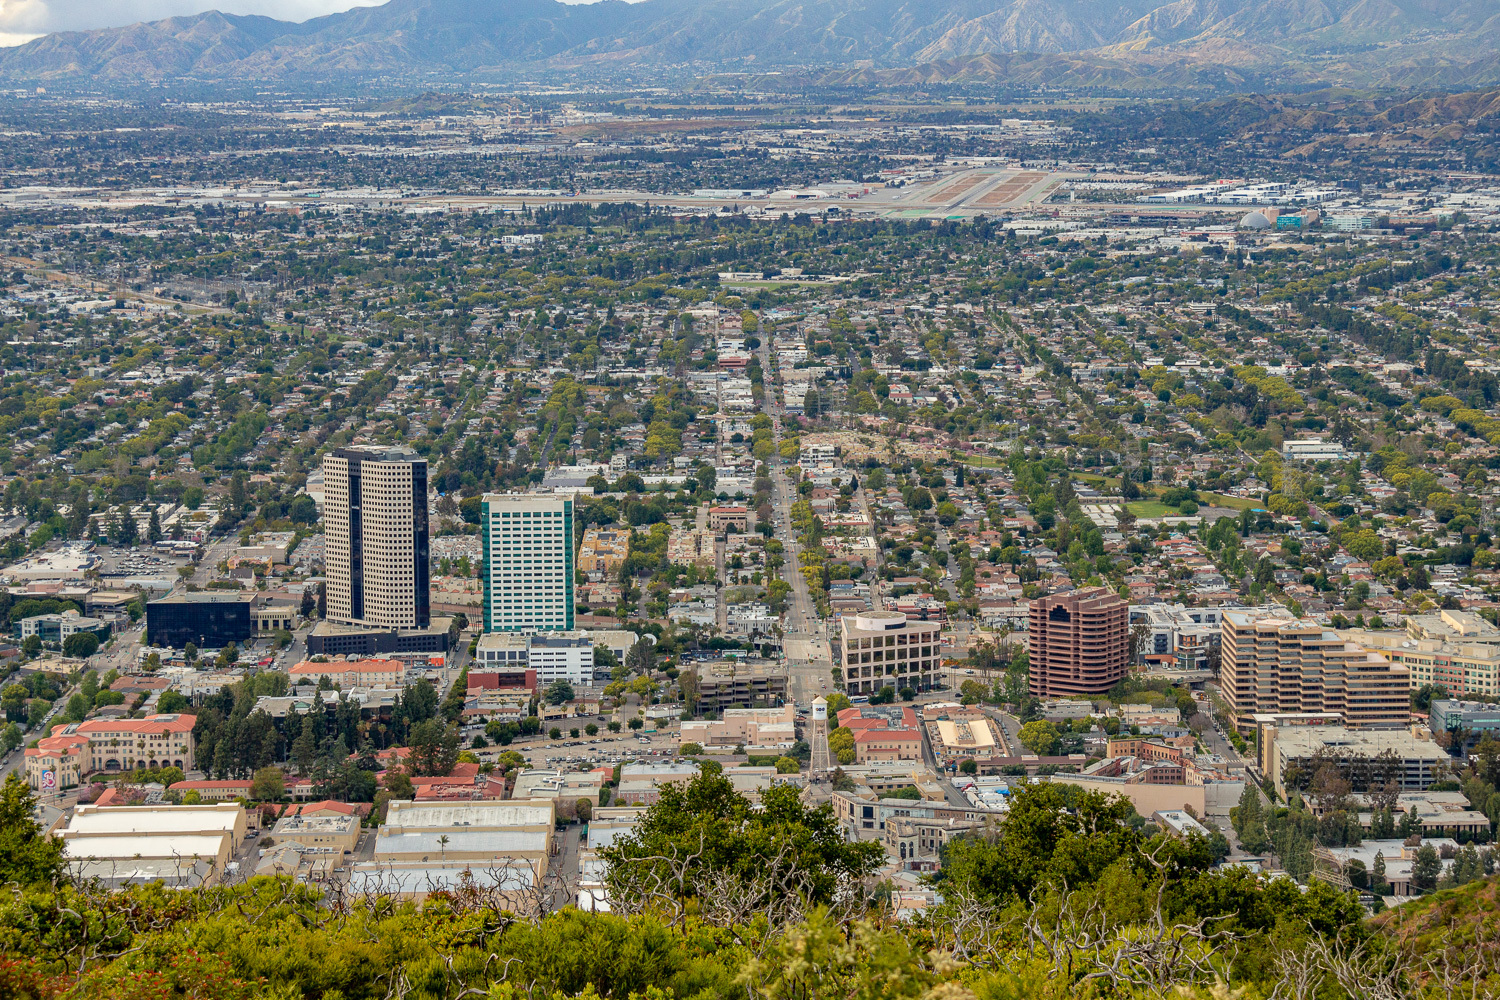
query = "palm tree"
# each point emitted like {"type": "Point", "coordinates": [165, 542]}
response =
{"type": "Point", "coordinates": [443, 846]}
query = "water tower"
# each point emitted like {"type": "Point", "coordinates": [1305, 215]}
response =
{"type": "Point", "coordinates": [820, 765]}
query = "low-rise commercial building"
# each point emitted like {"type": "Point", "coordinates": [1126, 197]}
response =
{"type": "Point", "coordinates": [553, 656]}
{"type": "Point", "coordinates": [566, 788]}
{"type": "Point", "coordinates": [181, 846]}
{"type": "Point", "coordinates": [1289, 755]}
{"type": "Point", "coordinates": [964, 734]}
{"type": "Point", "coordinates": [1464, 723]}
{"type": "Point", "coordinates": [204, 620]}
{"type": "Point", "coordinates": [747, 727]}
{"type": "Point", "coordinates": [641, 784]}
{"type": "Point", "coordinates": [58, 627]}
{"type": "Point", "coordinates": [211, 791]}
{"type": "Point", "coordinates": [351, 673]}
{"type": "Point", "coordinates": [882, 734]}
{"type": "Point", "coordinates": [336, 834]}
{"type": "Point", "coordinates": [330, 638]}
{"type": "Point", "coordinates": [726, 684]}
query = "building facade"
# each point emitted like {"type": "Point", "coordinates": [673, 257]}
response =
{"type": "Point", "coordinates": [351, 673]}
{"type": "Point", "coordinates": [60, 760]}
{"type": "Point", "coordinates": [375, 537]}
{"type": "Point", "coordinates": [1079, 643]}
{"type": "Point", "coordinates": [528, 562]}
{"type": "Point", "coordinates": [1460, 668]}
{"type": "Point", "coordinates": [603, 551]}
{"type": "Point", "coordinates": [208, 621]}
{"type": "Point", "coordinates": [1274, 663]}
{"type": "Point", "coordinates": [888, 649]}
{"type": "Point", "coordinates": [1464, 723]}
{"type": "Point", "coordinates": [57, 627]}
{"type": "Point", "coordinates": [552, 657]}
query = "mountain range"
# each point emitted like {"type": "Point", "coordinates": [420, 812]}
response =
{"type": "Point", "coordinates": [1126, 44]}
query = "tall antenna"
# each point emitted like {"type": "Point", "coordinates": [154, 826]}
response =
{"type": "Point", "coordinates": [820, 765]}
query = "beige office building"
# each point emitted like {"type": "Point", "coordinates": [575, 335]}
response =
{"type": "Point", "coordinates": [1275, 663]}
{"type": "Point", "coordinates": [884, 648]}
{"type": "Point", "coordinates": [375, 537]}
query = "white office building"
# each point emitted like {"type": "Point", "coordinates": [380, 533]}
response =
{"type": "Point", "coordinates": [1313, 450]}
{"type": "Point", "coordinates": [554, 656]}
{"type": "Point", "coordinates": [528, 562]}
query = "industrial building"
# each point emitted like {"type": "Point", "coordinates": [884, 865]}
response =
{"type": "Point", "coordinates": [180, 846]}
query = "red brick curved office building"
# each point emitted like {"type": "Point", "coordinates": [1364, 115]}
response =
{"type": "Point", "coordinates": [1079, 643]}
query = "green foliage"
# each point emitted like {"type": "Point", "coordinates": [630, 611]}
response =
{"type": "Point", "coordinates": [26, 856]}
{"type": "Point", "coordinates": [731, 841]}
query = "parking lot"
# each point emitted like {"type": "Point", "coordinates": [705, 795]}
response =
{"type": "Point", "coordinates": [587, 752]}
{"type": "Point", "coordinates": [138, 561]}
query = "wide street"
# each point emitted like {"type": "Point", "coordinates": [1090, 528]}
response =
{"type": "Point", "coordinates": [809, 659]}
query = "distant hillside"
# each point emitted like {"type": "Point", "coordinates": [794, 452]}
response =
{"type": "Point", "coordinates": [1125, 44]}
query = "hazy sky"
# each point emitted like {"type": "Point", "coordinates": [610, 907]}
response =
{"type": "Point", "coordinates": [21, 20]}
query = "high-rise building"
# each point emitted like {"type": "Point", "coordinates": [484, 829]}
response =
{"type": "Point", "coordinates": [1079, 643]}
{"type": "Point", "coordinates": [888, 649]}
{"type": "Point", "coordinates": [375, 537]}
{"type": "Point", "coordinates": [1272, 662]}
{"type": "Point", "coordinates": [528, 562]}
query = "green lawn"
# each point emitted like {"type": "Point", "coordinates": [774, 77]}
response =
{"type": "Point", "coordinates": [1151, 508]}
{"type": "Point", "coordinates": [1220, 500]}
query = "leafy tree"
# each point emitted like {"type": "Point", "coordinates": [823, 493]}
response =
{"type": "Point", "coordinates": [398, 784]}
{"type": "Point", "coordinates": [1425, 868]}
{"type": "Point", "coordinates": [841, 745]}
{"type": "Point", "coordinates": [1040, 737]}
{"type": "Point", "coordinates": [171, 702]}
{"type": "Point", "coordinates": [636, 723]}
{"type": "Point", "coordinates": [731, 841]}
{"type": "Point", "coordinates": [81, 645]}
{"type": "Point", "coordinates": [1052, 835]}
{"type": "Point", "coordinates": [559, 692]}
{"type": "Point", "coordinates": [26, 856]}
{"type": "Point", "coordinates": [434, 748]}
{"type": "Point", "coordinates": [787, 765]}
{"type": "Point", "coordinates": [690, 749]}
{"type": "Point", "coordinates": [268, 785]}
{"type": "Point", "coordinates": [641, 656]}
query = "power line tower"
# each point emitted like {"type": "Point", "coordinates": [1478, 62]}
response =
{"type": "Point", "coordinates": [820, 765]}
